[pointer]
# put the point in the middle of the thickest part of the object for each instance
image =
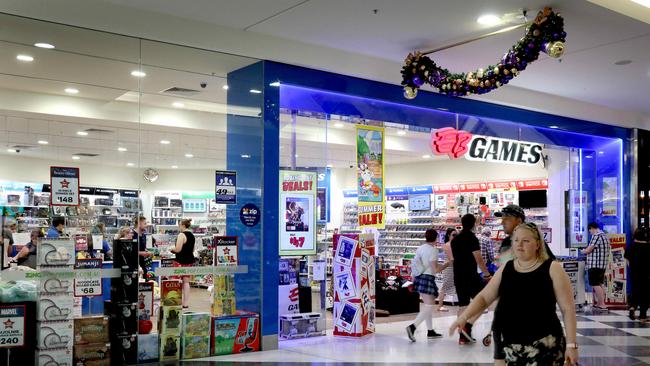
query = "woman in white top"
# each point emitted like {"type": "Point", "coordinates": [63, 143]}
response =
{"type": "Point", "coordinates": [423, 269]}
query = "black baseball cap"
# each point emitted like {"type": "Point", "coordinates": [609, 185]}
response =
{"type": "Point", "coordinates": [511, 211]}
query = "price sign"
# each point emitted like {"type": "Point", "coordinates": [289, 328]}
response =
{"type": "Point", "coordinates": [12, 326]}
{"type": "Point", "coordinates": [88, 278]}
{"type": "Point", "coordinates": [225, 191]}
{"type": "Point", "coordinates": [64, 183]}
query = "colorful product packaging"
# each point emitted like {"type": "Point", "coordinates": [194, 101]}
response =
{"type": "Point", "coordinates": [170, 320]}
{"type": "Point", "coordinates": [196, 324]}
{"type": "Point", "coordinates": [195, 347]}
{"type": "Point", "coordinates": [235, 334]}
{"type": "Point", "coordinates": [170, 347]}
{"type": "Point", "coordinates": [224, 306]}
{"type": "Point", "coordinates": [95, 354]}
{"type": "Point", "coordinates": [145, 300]}
{"type": "Point", "coordinates": [91, 330]}
{"type": "Point", "coordinates": [171, 293]}
{"type": "Point", "coordinates": [148, 350]}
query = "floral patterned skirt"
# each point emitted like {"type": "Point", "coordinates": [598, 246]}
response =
{"type": "Point", "coordinates": [548, 351]}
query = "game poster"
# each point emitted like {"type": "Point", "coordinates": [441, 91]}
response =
{"type": "Point", "coordinates": [370, 176]}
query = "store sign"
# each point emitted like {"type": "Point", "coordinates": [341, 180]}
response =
{"type": "Point", "coordinates": [225, 250]}
{"type": "Point", "coordinates": [502, 185]}
{"type": "Point", "coordinates": [12, 326]}
{"type": "Point", "coordinates": [249, 215]}
{"type": "Point", "coordinates": [370, 176]}
{"type": "Point", "coordinates": [225, 191]}
{"type": "Point", "coordinates": [577, 218]}
{"type": "Point", "coordinates": [64, 182]}
{"type": "Point", "coordinates": [88, 278]}
{"type": "Point", "coordinates": [457, 143]}
{"type": "Point", "coordinates": [526, 185]}
{"type": "Point", "coordinates": [288, 296]}
{"type": "Point", "coordinates": [472, 187]}
{"type": "Point", "coordinates": [297, 201]}
{"type": "Point", "coordinates": [615, 275]}
{"type": "Point", "coordinates": [445, 188]}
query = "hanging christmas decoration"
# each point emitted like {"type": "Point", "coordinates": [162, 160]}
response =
{"type": "Point", "coordinates": [545, 34]}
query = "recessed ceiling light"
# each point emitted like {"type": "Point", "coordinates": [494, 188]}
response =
{"type": "Point", "coordinates": [11, 150]}
{"type": "Point", "coordinates": [401, 132]}
{"type": "Point", "coordinates": [275, 84]}
{"type": "Point", "coordinates": [178, 104]}
{"type": "Point", "coordinates": [588, 156]}
{"type": "Point", "coordinates": [138, 73]}
{"type": "Point", "coordinates": [174, 166]}
{"type": "Point", "coordinates": [255, 91]}
{"type": "Point", "coordinates": [553, 127]}
{"type": "Point", "coordinates": [488, 19]}
{"type": "Point", "coordinates": [82, 133]}
{"type": "Point", "coordinates": [442, 109]}
{"type": "Point", "coordinates": [189, 155]}
{"type": "Point", "coordinates": [165, 142]}
{"type": "Point", "coordinates": [329, 166]}
{"type": "Point", "coordinates": [25, 58]}
{"type": "Point", "coordinates": [427, 156]}
{"type": "Point", "coordinates": [296, 155]}
{"type": "Point", "coordinates": [71, 90]}
{"type": "Point", "coordinates": [622, 62]}
{"type": "Point", "coordinates": [121, 149]}
{"type": "Point", "coordinates": [75, 157]}
{"type": "Point", "coordinates": [245, 156]}
{"type": "Point", "coordinates": [338, 125]}
{"type": "Point", "coordinates": [48, 46]}
{"type": "Point", "coordinates": [601, 153]}
{"type": "Point", "coordinates": [130, 164]}
{"type": "Point", "coordinates": [225, 87]}
{"type": "Point", "coordinates": [42, 142]}
{"type": "Point", "coordinates": [645, 3]}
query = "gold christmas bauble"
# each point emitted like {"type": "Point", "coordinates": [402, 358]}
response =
{"type": "Point", "coordinates": [410, 93]}
{"type": "Point", "coordinates": [554, 49]}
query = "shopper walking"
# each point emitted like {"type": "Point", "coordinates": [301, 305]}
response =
{"type": "Point", "coordinates": [184, 251]}
{"type": "Point", "coordinates": [423, 269]}
{"type": "Point", "coordinates": [638, 260]}
{"type": "Point", "coordinates": [487, 249]}
{"type": "Point", "coordinates": [528, 289]}
{"type": "Point", "coordinates": [447, 269]}
{"type": "Point", "coordinates": [597, 254]}
{"type": "Point", "coordinates": [511, 217]}
{"type": "Point", "coordinates": [466, 251]}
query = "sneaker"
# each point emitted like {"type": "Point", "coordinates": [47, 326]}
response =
{"type": "Point", "coordinates": [632, 314]}
{"type": "Point", "coordinates": [431, 334]}
{"type": "Point", "coordinates": [410, 332]}
{"type": "Point", "coordinates": [467, 333]}
{"type": "Point", "coordinates": [462, 340]}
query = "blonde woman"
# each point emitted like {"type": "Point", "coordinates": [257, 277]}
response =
{"type": "Point", "coordinates": [528, 288]}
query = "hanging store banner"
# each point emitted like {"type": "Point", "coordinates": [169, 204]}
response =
{"type": "Point", "coordinates": [225, 187]}
{"type": "Point", "coordinates": [610, 196]}
{"type": "Point", "coordinates": [370, 176]}
{"type": "Point", "coordinates": [64, 183]}
{"type": "Point", "coordinates": [576, 219]}
{"type": "Point", "coordinates": [297, 201]}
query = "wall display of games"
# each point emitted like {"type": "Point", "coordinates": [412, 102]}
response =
{"type": "Point", "coordinates": [298, 224]}
{"type": "Point", "coordinates": [354, 287]}
{"type": "Point", "coordinates": [195, 205]}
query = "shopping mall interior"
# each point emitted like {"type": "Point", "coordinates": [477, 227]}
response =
{"type": "Point", "coordinates": [257, 182]}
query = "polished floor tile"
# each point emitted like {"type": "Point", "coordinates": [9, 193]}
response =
{"type": "Point", "coordinates": [602, 332]}
{"type": "Point", "coordinates": [627, 324]}
{"type": "Point", "coordinates": [643, 332]}
{"type": "Point", "coordinates": [613, 361]}
{"type": "Point", "coordinates": [638, 351]}
{"type": "Point", "coordinates": [619, 340]}
{"type": "Point", "coordinates": [593, 325]}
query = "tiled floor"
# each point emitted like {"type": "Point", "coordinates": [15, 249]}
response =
{"type": "Point", "coordinates": [604, 340]}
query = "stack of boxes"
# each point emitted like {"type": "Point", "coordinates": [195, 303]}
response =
{"type": "Point", "coordinates": [169, 320]}
{"type": "Point", "coordinates": [55, 260]}
{"type": "Point", "coordinates": [147, 341]}
{"type": "Point", "coordinates": [196, 335]}
{"type": "Point", "coordinates": [223, 295]}
{"type": "Point", "coordinates": [91, 337]}
{"type": "Point", "coordinates": [122, 310]}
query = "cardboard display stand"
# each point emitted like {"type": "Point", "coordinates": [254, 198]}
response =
{"type": "Point", "coordinates": [354, 285]}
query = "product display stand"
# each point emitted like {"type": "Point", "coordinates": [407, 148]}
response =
{"type": "Point", "coordinates": [354, 285]}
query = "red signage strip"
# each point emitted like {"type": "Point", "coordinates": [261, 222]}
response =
{"type": "Point", "coordinates": [502, 185]}
{"type": "Point", "coordinates": [445, 188]}
{"type": "Point", "coordinates": [525, 185]}
{"type": "Point", "coordinates": [473, 187]}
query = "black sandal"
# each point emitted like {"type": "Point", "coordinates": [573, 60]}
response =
{"type": "Point", "coordinates": [632, 314]}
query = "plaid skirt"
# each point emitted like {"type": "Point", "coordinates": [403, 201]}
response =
{"type": "Point", "coordinates": [425, 284]}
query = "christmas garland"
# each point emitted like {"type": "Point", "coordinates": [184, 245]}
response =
{"type": "Point", "coordinates": [545, 34]}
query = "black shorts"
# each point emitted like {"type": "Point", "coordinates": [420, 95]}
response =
{"type": "Point", "coordinates": [467, 289]}
{"type": "Point", "coordinates": [596, 276]}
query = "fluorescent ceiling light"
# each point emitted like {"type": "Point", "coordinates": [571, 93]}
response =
{"type": "Point", "coordinates": [138, 73]}
{"type": "Point", "coordinates": [48, 46]}
{"type": "Point", "coordinates": [189, 155]}
{"type": "Point", "coordinates": [275, 84]}
{"type": "Point", "coordinates": [165, 142]}
{"type": "Point", "coordinates": [174, 166]}
{"type": "Point", "coordinates": [645, 3]}
{"type": "Point", "coordinates": [329, 166]}
{"type": "Point", "coordinates": [121, 149]}
{"type": "Point", "coordinates": [488, 19]}
{"type": "Point", "coordinates": [11, 150]}
{"type": "Point", "coordinates": [401, 132]}
{"type": "Point", "coordinates": [245, 156]}
{"type": "Point", "coordinates": [255, 91]}
{"type": "Point", "coordinates": [130, 164]}
{"type": "Point", "coordinates": [427, 156]}
{"type": "Point", "coordinates": [25, 58]}
{"type": "Point", "coordinates": [338, 125]}
{"type": "Point", "coordinates": [553, 127]}
{"type": "Point", "coordinates": [225, 87]}
{"type": "Point", "coordinates": [75, 157]}
{"type": "Point", "coordinates": [42, 142]}
{"type": "Point", "coordinates": [71, 90]}
{"type": "Point", "coordinates": [178, 104]}
{"type": "Point", "coordinates": [82, 133]}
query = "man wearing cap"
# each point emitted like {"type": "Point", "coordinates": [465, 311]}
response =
{"type": "Point", "coordinates": [511, 217]}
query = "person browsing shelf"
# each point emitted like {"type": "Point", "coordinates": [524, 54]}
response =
{"type": "Point", "coordinates": [56, 230]}
{"type": "Point", "coordinates": [184, 251]}
{"type": "Point", "coordinates": [27, 255]}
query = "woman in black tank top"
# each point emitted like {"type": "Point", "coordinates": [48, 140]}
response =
{"type": "Point", "coordinates": [528, 289]}
{"type": "Point", "coordinates": [184, 251]}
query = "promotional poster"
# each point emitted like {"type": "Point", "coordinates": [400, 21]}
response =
{"type": "Point", "coordinates": [64, 182]}
{"type": "Point", "coordinates": [370, 176]}
{"type": "Point", "coordinates": [615, 276]}
{"type": "Point", "coordinates": [297, 201]}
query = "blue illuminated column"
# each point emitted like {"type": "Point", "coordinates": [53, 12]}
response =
{"type": "Point", "coordinates": [253, 151]}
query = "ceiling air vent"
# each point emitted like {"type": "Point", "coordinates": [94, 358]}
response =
{"type": "Point", "coordinates": [22, 147]}
{"type": "Point", "coordinates": [88, 155]}
{"type": "Point", "coordinates": [182, 92]}
{"type": "Point", "coordinates": [98, 130]}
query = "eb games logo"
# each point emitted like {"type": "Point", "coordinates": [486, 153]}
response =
{"type": "Point", "coordinates": [293, 295]}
